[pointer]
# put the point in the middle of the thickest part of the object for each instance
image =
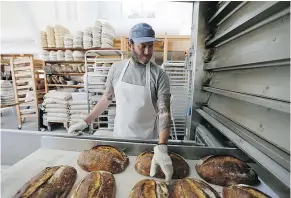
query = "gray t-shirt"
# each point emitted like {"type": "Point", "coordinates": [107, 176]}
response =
{"type": "Point", "coordinates": [136, 74]}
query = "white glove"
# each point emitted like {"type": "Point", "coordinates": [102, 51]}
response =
{"type": "Point", "coordinates": [162, 159]}
{"type": "Point", "coordinates": [79, 126]}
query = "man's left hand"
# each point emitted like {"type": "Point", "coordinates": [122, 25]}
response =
{"type": "Point", "coordinates": [162, 159]}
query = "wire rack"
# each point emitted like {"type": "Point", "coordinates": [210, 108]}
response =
{"type": "Point", "coordinates": [95, 78]}
{"type": "Point", "coordinates": [179, 78]}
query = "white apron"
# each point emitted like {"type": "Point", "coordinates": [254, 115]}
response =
{"type": "Point", "coordinates": [135, 114]}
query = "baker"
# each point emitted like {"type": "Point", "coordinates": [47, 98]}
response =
{"type": "Point", "coordinates": [142, 92]}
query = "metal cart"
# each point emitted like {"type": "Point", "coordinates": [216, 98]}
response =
{"type": "Point", "coordinates": [96, 75]}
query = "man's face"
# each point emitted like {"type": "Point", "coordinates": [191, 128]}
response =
{"type": "Point", "coordinates": [142, 52]}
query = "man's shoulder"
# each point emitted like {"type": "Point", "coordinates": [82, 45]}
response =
{"type": "Point", "coordinates": [119, 63]}
{"type": "Point", "coordinates": [153, 64]}
{"type": "Point", "coordinates": [158, 69]}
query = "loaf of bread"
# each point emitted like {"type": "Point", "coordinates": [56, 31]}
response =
{"type": "Point", "coordinates": [103, 158]}
{"type": "Point", "coordinates": [180, 166]}
{"type": "Point", "coordinates": [189, 187]}
{"type": "Point", "coordinates": [97, 184]}
{"type": "Point", "coordinates": [55, 181]}
{"type": "Point", "coordinates": [149, 188]}
{"type": "Point", "coordinates": [226, 171]}
{"type": "Point", "coordinates": [243, 191]}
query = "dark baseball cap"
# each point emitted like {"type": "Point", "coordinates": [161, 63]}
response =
{"type": "Point", "coordinates": [142, 33]}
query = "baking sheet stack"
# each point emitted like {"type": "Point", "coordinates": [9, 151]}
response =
{"type": "Point", "coordinates": [43, 39]}
{"type": "Point", "coordinates": [111, 117]}
{"type": "Point", "coordinates": [7, 94]}
{"type": "Point", "coordinates": [45, 55]}
{"type": "Point", "coordinates": [78, 109]}
{"type": "Point", "coordinates": [53, 55]}
{"type": "Point", "coordinates": [60, 55]}
{"type": "Point", "coordinates": [96, 81]}
{"type": "Point", "coordinates": [78, 40]}
{"type": "Point", "coordinates": [78, 55]}
{"type": "Point", "coordinates": [60, 33]}
{"type": "Point", "coordinates": [50, 36]}
{"type": "Point", "coordinates": [69, 55]}
{"type": "Point", "coordinates": [87, 38]}
{"type": "Point", "coordinates": [96, 33]}
{"type": "Point", "coordinates": [107, 35]}
{"type": "Point", "coordinates": [68, 41]}
{"type": "Point", "coordinates": [55, 106]}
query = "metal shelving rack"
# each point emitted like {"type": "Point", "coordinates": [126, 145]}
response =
{"type": "Point", "coordinates": [179, 82]}
{"type": "Point", "coordinates": [99, 71]}
{"type": "Point", "coordinates": [53, 86]}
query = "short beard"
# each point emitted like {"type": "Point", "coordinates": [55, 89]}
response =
{"type": "Point", "coordinates": [134, 57]}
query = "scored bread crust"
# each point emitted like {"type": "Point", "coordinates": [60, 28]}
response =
{"type": "Point", "coordinates": [243, 191]}
{"type": "Point", "coordinates": [190, 187]}
{"type": "Point", "coordinates": [103, 158]}
{"type": "Point", "coordinates": [56, 181]}
{"type": "Point", "coordinates": [143, 165]}
{"type": "Point", "coordinates": [226, 171]}
{"type": "Point", "coordinates": [97, 184]}
{"type": "Point", "coordinates": [149, 188]}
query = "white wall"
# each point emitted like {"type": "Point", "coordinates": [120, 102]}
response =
{"type": "Point", "coordinates": [22, 21]}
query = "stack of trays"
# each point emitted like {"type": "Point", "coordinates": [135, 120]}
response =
{"type": "Point", "coordinates": [45, 55]}
{"type": "Point", "coordinates": [53, 56]}
{"type": "Point", "coordinates": [96, 32]}
{"type": "Point", "coordinates": [50, 36]}
{"type": "Point", "coordinates": [60, 55]}
{"type": "Point", "coordinates": [60, 32]}
{"type": "Point", "coordinates": [78, 55]}
{"type": "Point", "coordinates": [107, 35]}
{"type": "Point", "coordinates": [87, 38]}
{"type": "Point", "coordinates": [78, 40]}
{"type": "Point", "coordinates": [7, 95]}
{"type": "Point", "coordinates": [43, 39]}
{"type": "Point", "coordinates": [68, 41]}
{"type": "Point", "coordinates": [69, 55]}
{"type": "Point", "coordinates": [111, 117]}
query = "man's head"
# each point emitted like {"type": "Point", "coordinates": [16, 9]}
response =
{"type": "Point", "coordinates": [141, 42]}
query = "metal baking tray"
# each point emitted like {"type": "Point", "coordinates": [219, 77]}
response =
{"type": "Point", "coordinates": [65, 151]}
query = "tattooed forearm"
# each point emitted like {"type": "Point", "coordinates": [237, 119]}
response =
{"type": "Point", "coordinates": [108, 94]}
{"type": "Point", "coordinates": [164, 112]}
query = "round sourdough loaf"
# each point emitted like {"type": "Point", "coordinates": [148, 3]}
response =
{"type": "Point", "coordinates": [180, 166]}
{"type": "Point", "coordinates": [103, 158]}
{"type": "Point", "coordinates": [149, 188]}
{"type": "Point", "coordinates": [243, 191]}
{"type": "Point", "coordinates": [97, 184]}
{"type": "Point", "coordinates": [226, 171]}
{"type": "Point", "coordinates": [55, 181]}
{"type": "Point", "coordinates": [190, 187]}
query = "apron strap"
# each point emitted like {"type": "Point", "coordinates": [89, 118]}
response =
{"type": "Point", "coordinates": [148, 74]}
{"type": "Point", "coordinates": [123, 71]}
{"type": "Point", "coordinates": [148, 79]}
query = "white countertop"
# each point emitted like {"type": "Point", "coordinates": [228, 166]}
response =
{"type": "Point", "coordinates": [14, 177]}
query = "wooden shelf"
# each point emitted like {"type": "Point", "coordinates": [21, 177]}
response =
{"type": "Point", "coordinates": [80, 49]}
{"type": "Point", "coordinates": [61, 85]}
{"type": "Point", "coordinates": [10, 105]}
{"type": "Point", "coordinates": [67, 74]}
{"type": "Point", "coordinates": [55, 62]}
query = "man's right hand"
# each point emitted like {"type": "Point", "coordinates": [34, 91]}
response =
{"type": "Point", "coordinates": [78, 127]}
